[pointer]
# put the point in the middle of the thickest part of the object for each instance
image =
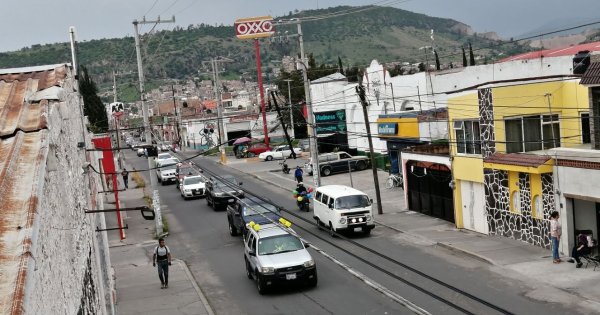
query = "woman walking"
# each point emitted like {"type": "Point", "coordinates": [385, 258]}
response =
{"type": "Point", "coordinates": [555, 232]}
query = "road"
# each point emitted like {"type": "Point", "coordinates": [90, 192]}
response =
{"type": "Point", "coordinates": [199, 236]}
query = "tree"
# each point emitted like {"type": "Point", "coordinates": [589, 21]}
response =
{"type": "Point", "coordinates": [92, 104]}
{"type": "Point", "coordinates": [340, 65]}
{"type": "Point", "coordinates": [471, 56]}
{"type": "Point", "coordinates": [464, 57]}
{"type": "Point", "coordinates": [421, 67]}
{"type": "Point", "coordinates": [437, 60]}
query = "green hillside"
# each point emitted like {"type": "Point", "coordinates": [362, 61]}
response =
{"type": "Point", "coordinates": [383, 33]}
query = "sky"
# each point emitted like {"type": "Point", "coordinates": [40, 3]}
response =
{"type": "Point", "coordinates": [29, 22]}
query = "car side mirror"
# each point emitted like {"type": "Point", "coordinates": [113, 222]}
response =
{"type": "Point", "coordinates": [371, 200]}
{"type": "Point", "coordinates": [251, 253]}
{"type": "Point", "coordinates": [307, 245]}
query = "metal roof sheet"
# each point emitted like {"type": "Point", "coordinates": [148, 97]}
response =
{"type": "Point", "coordinates": [557, 52]}
{"type": "Point", "coordinates": [23, 149]}
{"type": "Point", "coordinates": [518, 159]}
{"type": "Point", "coordinates": [591, 76]}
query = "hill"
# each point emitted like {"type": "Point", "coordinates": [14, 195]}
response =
{"type": "Point", "coordinates": [383, 33]}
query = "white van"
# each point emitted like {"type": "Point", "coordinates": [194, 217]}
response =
{"type": "Point", "coordinates": [342, 208]}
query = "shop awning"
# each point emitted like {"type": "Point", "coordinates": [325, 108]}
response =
{"type": "Point", "coordinates": [520, 162]}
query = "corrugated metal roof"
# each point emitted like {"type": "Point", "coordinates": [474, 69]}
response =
{"type": "Point", "coordinates": [23, 146]}
{"type": "Point", "coordinates": [518, 159]}
{"type": "Point", "coordinates": [591, 76]}
{"type": "Point", "coordinates": [557, 52]}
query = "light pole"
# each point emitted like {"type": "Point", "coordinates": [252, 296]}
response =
{"type": "Point", "coordinates": [291, 108]}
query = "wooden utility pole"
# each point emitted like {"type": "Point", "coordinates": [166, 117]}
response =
{"type": "Point", "coordinates": [287, 136]}
{"type": "Point", "coordinates": [360, 90]}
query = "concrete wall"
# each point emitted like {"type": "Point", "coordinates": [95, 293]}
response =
{"type": "Point", "coordinates": [69, 270]}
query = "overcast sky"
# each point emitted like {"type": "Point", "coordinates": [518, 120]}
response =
{"type": "Point", "coordinates": [28, 22]}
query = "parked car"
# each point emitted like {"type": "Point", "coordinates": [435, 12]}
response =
{"type": "Point", "coordinates": [163, 147]}
{"type": "Point", "coordinates": [282, 151]}
{"type": "Point", "coordinates": [338, 162]}
{"type": "Point", "coordinates": [222, 192]}
{"type": "Point", "coordinates": [248, 210]}
{"type": "Point", "coordinates": [258, 148]}
{"type": "Point", "coordinates": [193, 186]}
{"type": "Point", "coordinates": [275, 255]}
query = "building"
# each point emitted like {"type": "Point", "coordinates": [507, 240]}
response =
{"type": "Point", "coordinates": [501, 135]}
{"type": "Point", "coordinates": [53, 261]}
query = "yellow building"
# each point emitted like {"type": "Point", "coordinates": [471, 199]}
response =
{"type": "Point", "coordinates": [500, 137]}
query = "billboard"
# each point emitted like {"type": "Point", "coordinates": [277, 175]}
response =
{"type": "Point", "coordinates": [330, 122]}
{"type": "Point", "coordinates": [254, 27]}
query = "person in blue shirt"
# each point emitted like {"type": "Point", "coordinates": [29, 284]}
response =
{"type": "Point", "coordinates": [298, 174]}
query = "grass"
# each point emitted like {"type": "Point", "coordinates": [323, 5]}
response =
{"type": "Point", "coordinates": [139, 180]}
{"type": "Point", "coordinates": [165, 225]}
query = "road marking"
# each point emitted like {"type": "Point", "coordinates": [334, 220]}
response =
{"type": "Point", "coordinates": [378, 287]}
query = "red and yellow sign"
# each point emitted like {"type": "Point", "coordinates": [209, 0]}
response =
{"type": "Point", "coordinates": [254, 27]}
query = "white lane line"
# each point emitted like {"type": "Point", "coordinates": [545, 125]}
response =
{"type": "Point", "coordinates": [378, 287]}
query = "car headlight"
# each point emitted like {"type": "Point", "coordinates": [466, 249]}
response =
{"type": "Point", "coordinates": [309, 263]}
{"type": "Point", "coordinates": [267, 270]}
{"type": "Point", "coordinates": [342, 220]}
{"type": "Point", "coordinates": [369, 217]}
{"type": "Point", "coordinates": [187, 190]}
{"type": "Point", "coordinates": [219, 194]}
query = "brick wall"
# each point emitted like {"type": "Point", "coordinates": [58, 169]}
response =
{"type": "Point", "coordinates": [67, 273]}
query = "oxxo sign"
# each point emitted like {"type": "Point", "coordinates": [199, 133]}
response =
{"type": "Point", "coordinates": [255, 27]}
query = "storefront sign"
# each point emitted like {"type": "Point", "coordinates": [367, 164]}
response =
{"type": "Point", "coordinates": [330, 122]}
{"type": "Point", "coordinates": [387, 128]}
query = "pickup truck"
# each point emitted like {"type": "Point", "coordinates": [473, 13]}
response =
{"type": "Point", "coordinates": [247, 210]}
{"type": "Point", "coordinates": [339, 162]}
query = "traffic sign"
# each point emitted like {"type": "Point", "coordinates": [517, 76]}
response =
{"type": "Point", "coordinates": [254, 27]}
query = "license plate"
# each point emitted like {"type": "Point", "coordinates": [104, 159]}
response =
{"type": "Point", "coordinates": [357, 229]}
{"type": "Point", "coordinates": [290, 276]}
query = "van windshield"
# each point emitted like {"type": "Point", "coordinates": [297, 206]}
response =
{"type": "Point", "coordinates": [353, 201]}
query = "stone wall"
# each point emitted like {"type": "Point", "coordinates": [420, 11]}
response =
{"type": "Point", "coordinates": [67, 272]}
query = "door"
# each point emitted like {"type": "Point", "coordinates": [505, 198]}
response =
{"type": "Point", "coordinates": [319, 207]}
{"type": "Point", "coordinates": [473, 206]}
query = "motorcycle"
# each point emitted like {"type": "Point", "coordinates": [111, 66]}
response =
{"type": "Point", "coordinates": [284, 167]}
{"type": "Point", "coordinates": [303, 202]}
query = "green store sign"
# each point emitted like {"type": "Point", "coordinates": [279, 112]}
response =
{"type": "Point", "coordinates": [330, 122]}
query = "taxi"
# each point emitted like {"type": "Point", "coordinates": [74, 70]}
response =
{"type": "Point", "coordinates": [273, 254]}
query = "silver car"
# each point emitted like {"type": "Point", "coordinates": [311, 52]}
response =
{"type": "Point", "coordinates": [274, 255]}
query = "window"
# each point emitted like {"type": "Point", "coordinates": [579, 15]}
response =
{"type": "Point", "coordinates": [344, 156]}
{"type": "Point", "coordinates": [585, 128]}
{"type": "Point", "coordinates": [532, 133]}
{"type": "Point", "coordinates": [318, 196]}
{"type": "Point", "coordinates": [468, 137]}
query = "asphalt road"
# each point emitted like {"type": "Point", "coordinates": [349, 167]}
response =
{"type": "Point", "coordinates": [199, 236]}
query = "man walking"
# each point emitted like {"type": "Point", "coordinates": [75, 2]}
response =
{"type": "Point", "coordinates": [298, 174]}
{"type": "Point", "coordinates": [125, 175]}
{"type": "Point", "coordinates": [162, 257]}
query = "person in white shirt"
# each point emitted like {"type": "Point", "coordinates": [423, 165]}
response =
{"type": "Point", "coordinates": [162, 257]}
{"type": "Point", "coordinates": [555, 232]}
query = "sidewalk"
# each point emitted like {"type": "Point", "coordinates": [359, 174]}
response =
{"type": "Point", "coordinates": [561, 283]}
{"type": "Point", "coordinates": [136, 280]}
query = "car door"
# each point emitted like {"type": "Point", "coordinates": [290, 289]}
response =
{"type": "Point", "coordinates": [326, 212]}
{"type": "Point", "coordinates": [252, 247]}
{"type": "Point", "coordinates": [285, 151]}
{"type": "Point", "coordinates": [278, 154]}
{"type": "Point", "coordinates": [346, 162]}
{"type": "Point", "coordinates": [237, 215]}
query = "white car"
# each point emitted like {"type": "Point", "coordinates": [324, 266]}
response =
{"type": "Point", "coordinates": [166, 172]}
{"type": "Point", "coordinates": [282, 151]}
{"type": "Point", "coordinates": [193, 186]}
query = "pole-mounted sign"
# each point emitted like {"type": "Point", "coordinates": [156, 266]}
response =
{"type": "Point", "coordinates": [254, 27]}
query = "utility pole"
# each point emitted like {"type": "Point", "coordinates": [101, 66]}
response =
{"type": "Point", "coordinates": [176, 119]}
{"type": "Point", "coordinates": [291, 108]}
{"type": "Point", "coordinates": [360, 90]}
{"type": "Point", "coordinates": [287, 136]}
{"type": "Point", "coordinates": [147, 132]}
{"type": "Point", "coordinates": [214, 63]}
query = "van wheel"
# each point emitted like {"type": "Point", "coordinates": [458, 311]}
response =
{"type": "Point", "coordinates": [319, 224]}
{"type": "Point", "coordinates": [326, 171]}
{"type": "Point", "coordinates": [331, 230]}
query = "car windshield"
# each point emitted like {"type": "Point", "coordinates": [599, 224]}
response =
{"type": "Point", "coordinates": [193, 180]}
{"type": "Point", "coordinates": [353, 201]}
{"type": "Point", "coordinates": [185, 170]}
{"type": "Point", "coordinates": [279, 244]}
{"type": "Point", "coordinates": [168, 167]}
{"type": "Point", "coordinates": [255, 209]}
{"type": "Point", "coordinates": [163, 156]}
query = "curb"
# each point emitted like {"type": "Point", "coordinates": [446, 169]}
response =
{"type": "Point", "coordinates": [473, 255]}
{"type": "Point", "coordinates": [203, 298]}
{"type": "Point", "coordinates": [389, 227]}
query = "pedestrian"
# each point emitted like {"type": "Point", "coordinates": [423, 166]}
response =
{"type": "Point", "coordinates": [125, 175]}
{"type": "Point", "coordinates": [162, 257]}
{"type": "Point", "coordinates": [555, 232]}
{"type": "Point", "coordinates": [580, 249]}
{"type": "Point", "coordinates": [298, 174]}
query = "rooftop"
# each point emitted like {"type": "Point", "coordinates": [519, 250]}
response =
{"type": "Point", "coordinates": [557, 52]}
{"type": "Point", "coordinates": [518, 159]}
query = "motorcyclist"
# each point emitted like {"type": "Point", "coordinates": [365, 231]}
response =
{"type": "Point", "coordinates": [302, 192]}
{"type": "Point", "coordinates": [301, 189]}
